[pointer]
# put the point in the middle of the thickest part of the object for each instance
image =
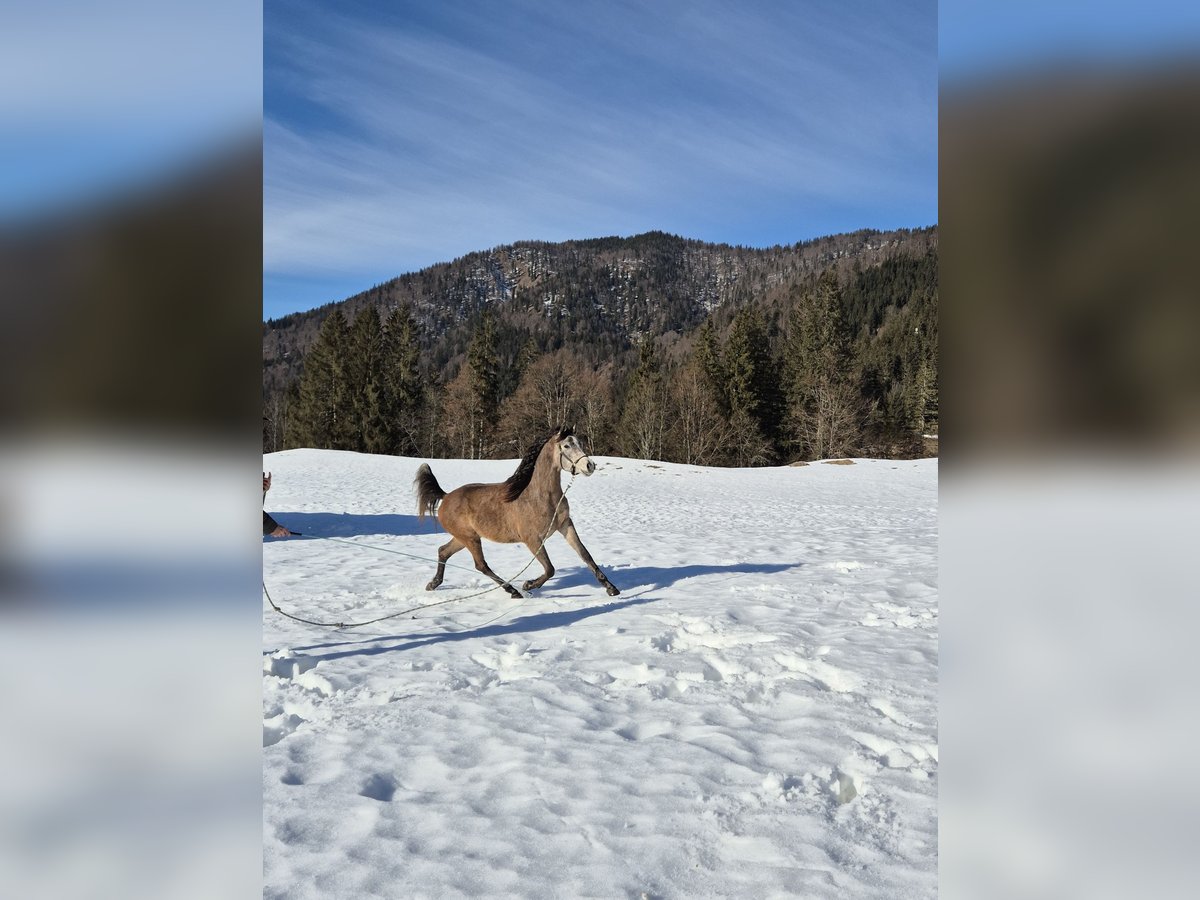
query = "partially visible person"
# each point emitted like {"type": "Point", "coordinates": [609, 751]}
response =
{"type": "Point", "coordinates": [271, 528]}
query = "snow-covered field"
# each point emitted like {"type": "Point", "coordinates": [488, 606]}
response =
{"type": "Point", "coordinates": [754, 716]}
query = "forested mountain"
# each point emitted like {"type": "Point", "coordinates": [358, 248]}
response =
{"type": "Point", "coordinates": [647, 339]}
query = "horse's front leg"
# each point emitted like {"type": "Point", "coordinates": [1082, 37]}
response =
{"type": "Point", "coordinates": [572, 536]}
{"type": "Point", "coordinates": [540, 554]}
{"type": "Point", "coordinates": [476, 548]}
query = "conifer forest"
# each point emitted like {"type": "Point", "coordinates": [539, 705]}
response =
{"type": "Point", "coordinates": [653, 347]}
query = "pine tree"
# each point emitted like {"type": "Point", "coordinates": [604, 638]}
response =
{"type": "Point", "coordinates": [404, 401]}
{"type": "Point", "coordinates": [922, 398]}
{"type": "Point", "coordinates": [708, 363]}
{"type": "Point", "coordinates": [818, 347]}
{"type": "Point", "coordinates": [528, 356]}
{"type": "Point", "coordinates": [899, 366]}
{"type": "Point", "coordinates": [470, 407]}
{"type": "Point", "coordinates": [364, 369]}
{"type": "Point", "coordinates": [483, 358]}
{"type": "Point", "coordinates": [324, 415]}
{"type": "Point", "coordinates": [824, 409]}
{"type": "Point", "coordinates": [753, 375]}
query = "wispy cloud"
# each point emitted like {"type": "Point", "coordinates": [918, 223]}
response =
{"type": "Point", "coordinates": [394, 140]}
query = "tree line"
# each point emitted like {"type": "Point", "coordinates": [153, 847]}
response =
{"type": "Point", "coordinates": [830, 370]}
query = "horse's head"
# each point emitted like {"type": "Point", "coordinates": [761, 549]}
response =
{"type": "Point", "coordinates": [571, 455]}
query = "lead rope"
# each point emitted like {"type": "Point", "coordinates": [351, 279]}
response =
{"type": "Point", "coordinates": [404, 612]}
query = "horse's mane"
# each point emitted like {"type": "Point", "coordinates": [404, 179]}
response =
{"type": "Point", "coordinates": [519, 480]}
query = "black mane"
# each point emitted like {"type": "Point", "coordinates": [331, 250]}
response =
{"type": "Point", "coordinates": [519, 480]}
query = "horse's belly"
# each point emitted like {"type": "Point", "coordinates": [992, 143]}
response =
{"type": "Point", "coordinates": [473, 509]}
{"type": "Point", "coordinates": [499, 532]}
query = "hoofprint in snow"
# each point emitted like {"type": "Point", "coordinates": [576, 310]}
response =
{"type": "Point", "coordinates": [754, 716]}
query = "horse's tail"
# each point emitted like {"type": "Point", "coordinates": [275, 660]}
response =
{"type": "Point", "coordinates": [429, 492]}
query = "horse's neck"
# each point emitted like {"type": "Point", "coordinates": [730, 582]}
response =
{"type": "Point", "coordinates": [546, 482]}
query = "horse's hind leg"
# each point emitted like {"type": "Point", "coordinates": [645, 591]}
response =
{"type": "Point", "coordinates": [445, 551]}
{"type": "Point", "coordinates": [543, 557]}
{"type": "Point", "coordinates": [568, 531]}
{"type": "Point", "coordinates": [476, 548]}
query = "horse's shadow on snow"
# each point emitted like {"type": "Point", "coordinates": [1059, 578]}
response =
{"type": "Point", "coordinates": [522, 625]}
{"type": "Point", "coordinates": [342, 525]}
{"type": "Point", "coordinates": [657, 577]}
{"type": "Point", "coordinates": [643, 579]}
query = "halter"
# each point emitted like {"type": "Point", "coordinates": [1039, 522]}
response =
{"type": "Point", "coordinates": [562, 456]}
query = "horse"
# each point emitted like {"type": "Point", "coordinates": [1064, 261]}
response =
{"type": "Point", "coordinates": [524, 509]}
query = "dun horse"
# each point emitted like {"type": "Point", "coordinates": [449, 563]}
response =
{"type": "Point", "coordinates": [524, 509]}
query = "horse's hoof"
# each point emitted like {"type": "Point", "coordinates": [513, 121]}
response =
{"type": "Point", "coordinates": [529, 585]}
{"type": "Point", "coordinates": [612, 590]}
{"type": "Point", "coordinates": [432, 586]}
{"type": "Point", "coordinates": [513, 592]}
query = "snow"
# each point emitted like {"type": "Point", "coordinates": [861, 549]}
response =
{"type": "Point", "coordinates": [754, 715]}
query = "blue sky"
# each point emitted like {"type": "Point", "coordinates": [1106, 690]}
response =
{"type": "Point", "coordinates": [100, 98]}
{"type": "Point", "coordinates": [981, 40]}
{"type": "Point", "coordinates": [398, 135]}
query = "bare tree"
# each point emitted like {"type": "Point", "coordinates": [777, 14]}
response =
{"type": "Point", "coordinates": [747, 444]}
{"type": "Point", "coordinates": [830, 424]}
{"type": "Point", "coordinates": [596, 410]}
{"type": "Point", "coordinates": [550, 394]}
{"type": "Point", "coordinates": [647, 413]}
{"type": "Point", "coordinates": [701, 434]}
{"type": "Point", "coordinates": [462, 423]}
{"type": "Point", "coordinates": [274, 420]}
{"type": "Point", "coordinates": [646, 421]}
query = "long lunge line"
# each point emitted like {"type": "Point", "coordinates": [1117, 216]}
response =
{"type": "Point", "coordinates": [395, 615]}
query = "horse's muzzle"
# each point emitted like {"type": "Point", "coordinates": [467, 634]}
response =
{"type": "Point", "coordinates": [585, 466]}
